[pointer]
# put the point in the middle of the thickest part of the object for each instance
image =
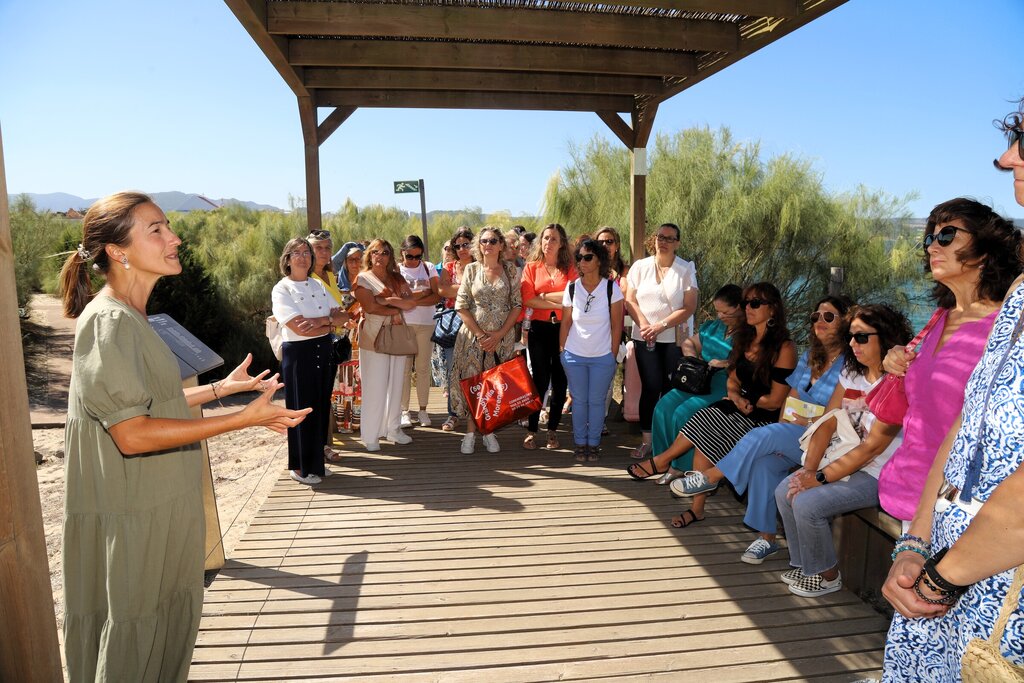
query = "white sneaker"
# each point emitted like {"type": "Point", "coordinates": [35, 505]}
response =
{"type": "Point", "coordinates": [815, 586]}
{"type": "Point", "coordinates": [399, 437]}
{"type": "Point", "coordinates": [406, 419]}
{"type": "Point", "coordinates": [372, 446]}
{"type": "Point", "coordinates": [424, 419]}
{"type": "Point", "coordinates": [491, 442]}
{"type": "Point", "coordinates": [309, 479]}
{"type": "Point", "coordinates": [327, 472]}
{"type": "Point", "coordinates": [468, 443]}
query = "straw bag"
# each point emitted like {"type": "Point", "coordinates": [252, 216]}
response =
{"type": "Point", "coordinates": [982, 662]}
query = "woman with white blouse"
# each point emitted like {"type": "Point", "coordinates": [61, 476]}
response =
{"type": "Point", "coordinates": [661, 294]}
{"type": "Point", "coordinates": [307, 314]}
{"type": "Point", "coordinates": [421, 276]}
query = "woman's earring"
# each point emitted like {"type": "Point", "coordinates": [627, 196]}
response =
{"type": "Point", "coordinates": [124, 262]}
{"type": "Point", "coordinates": [771, 322]}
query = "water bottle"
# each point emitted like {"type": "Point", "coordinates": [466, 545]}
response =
{"type": "Point", "coordinates": [651, 344]}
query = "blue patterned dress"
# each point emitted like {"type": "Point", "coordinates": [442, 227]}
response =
{"type": "Point", "coordinates": [931, 649]}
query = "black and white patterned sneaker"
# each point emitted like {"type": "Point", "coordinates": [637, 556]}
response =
{"type": "Point", "coordinates": [815, 586]}
{"type": "Point", "coordinates": [792, 576]}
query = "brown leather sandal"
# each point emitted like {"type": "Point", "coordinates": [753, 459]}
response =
{"type": "Point", "coordinates": [530, 442]}
{"type": "Point", "coordinates": [552, 443]}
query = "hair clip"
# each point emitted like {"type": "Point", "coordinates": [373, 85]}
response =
{"type": "Point", "coordinates": [83, 253]}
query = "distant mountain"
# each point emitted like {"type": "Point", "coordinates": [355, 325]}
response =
{"type": "Point", "coordinates": [168, 201]}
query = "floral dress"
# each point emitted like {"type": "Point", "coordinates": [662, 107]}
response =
{"type": "Point", "coordinates": [490, 304]}
{"type": "Point", "coordinates": [931, 649]}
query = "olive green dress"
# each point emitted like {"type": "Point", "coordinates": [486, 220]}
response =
{"type": "Point", "coordinates": [133, 526]}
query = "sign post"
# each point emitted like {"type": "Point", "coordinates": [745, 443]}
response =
{"type": "Point", "coordinates": [404, 186]}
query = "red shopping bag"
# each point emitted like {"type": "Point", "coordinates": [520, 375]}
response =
{"type": "Point", "coordinates": [502, 394]}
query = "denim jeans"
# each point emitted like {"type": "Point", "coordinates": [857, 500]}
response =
{"type": "Point", "coordinates": [589, 378]}
{"type": "Point", "coordinates": [807, 519]}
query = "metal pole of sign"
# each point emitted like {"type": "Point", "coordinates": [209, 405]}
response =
{"type": "Point", "coordinates": [423, 218]}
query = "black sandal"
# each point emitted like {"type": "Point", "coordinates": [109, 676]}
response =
{"type": "Point", "coordinates": [642, 466]}
{"type": "Point", "coordinates": [581, 453]}
{"type": "Point", "coordinates": [593, 454]}
{"type": "Point", "coordinates": [680, 521]}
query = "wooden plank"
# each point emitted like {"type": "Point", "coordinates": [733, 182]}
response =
{"type": "Point", "coordinates": [376, 78]}
{"type": "Point", "coordinates": [619, 127]}
{"type": "Point", "coordinates": [332, 122]}
{"type": "Point", "coordinates": [523, 58]}
{"type": "Point", "coordinates": [495, 23]}
{"type": "Point", "coordinates": [252, 15]}
{"type": "Point", "coordinates": [311, 149]}
{"type": "Point", "coordinates": [752, 8]}
{"type": "Point", "coordinates": [444, 99]}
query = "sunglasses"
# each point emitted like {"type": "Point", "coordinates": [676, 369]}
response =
{"type": "Point", "coordinates": [944, 237]}
{"type": "Point", "coordinates": [1013, 136]}
{"type": "Point", "coordinates": [862, 337]}
{"type": "Point", "coordinates": [380, 252]}
{"type": "Point", "coordinates": [414, 257]}
{"type": "Point", "coordinates": [606, 243]}
{"type": "Point", "coordinates": [320, 235]}
{"type": "Point", "coordinates": [584, 257]}
{"type": "Point", "coordinates": [755, 303]}
{"type": "Point", "coordinates": [590, 300]}
{"type": "Point", "coordinates": [827, 316]}
{"type": "Point", "coordinates": [666, 238]}
{"type": "Point", "coordinates": [489, 240]}
{"type": "Point", "coordinates": [462, 245]}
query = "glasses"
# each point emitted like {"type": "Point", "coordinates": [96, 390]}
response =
{"type": "Point", "coordinates": [489, 240]}
{"type": "Point", "coordinates": [1014, 135]}
{"type": "Point", "coordinates": [447, 247]}
{"type": "Point", "coordinates": [462, 245]}
{"type": "Point", "coordinates": [827, 316]}
{"type": "Point", "coordinates": [606, 243]}
{"type": "Point", "coordinates": [320, 235]}
{"type": "Point", "coordinates": [414, 257]}
{"type": "Point", "coordinates": [301, 254]}
{"type": "Point", "coordinates": [861, 337]}
{"type": "Point", "coordinates": [584, 257]}
{"type": "Point", "coordinates": [666, 238]}
{"type": "Point", "coordinates": [590, 300]}
{"type": "Point", "coordinates": [380, 252]}
{"type": "Point", "coordinates": [944, 237]}
{"type": "Point", "coordinates": [755, 303]}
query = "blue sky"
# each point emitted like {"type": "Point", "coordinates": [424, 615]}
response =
{"type": "Point", "coordinates": [114, 94]}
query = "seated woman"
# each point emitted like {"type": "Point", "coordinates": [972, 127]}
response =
{"type": "Point", "coordinates": [811, 497]}
{"type": "Point", "coordinates": [762, 358]}
{"type": "Point", "coordinates": [763, 458]}
{"type": "Point", "coordinates": [713, 343]}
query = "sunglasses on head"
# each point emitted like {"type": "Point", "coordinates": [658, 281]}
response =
{"type": "Point", "coordinates": [320, 235]}
{"type": "Point", "coordinates": [944, 237]}
{"type": "Point", "coordinates": [584, 257]}
{"type": "Point", "coordinates": [827, 316]}
{"type": "Point", "coordinates": [755, 303]}
{"type": "Point", "coordinates": [862, 337]}
{"type": "Point", "coordinates": [1013, 136]}
{"type": "Point", "coordinates": [414, 257]}
{"type": "Point", "coordinates": [462, 245]}
{"type": "Point", "coordinates": [489, 240]}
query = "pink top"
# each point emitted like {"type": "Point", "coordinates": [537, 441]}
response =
{"type": "Point", "coordinates": [935, 395]}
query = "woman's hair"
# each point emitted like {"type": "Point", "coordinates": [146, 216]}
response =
{"type": "Point", "coordinates": [320, 236]}
{"type": "Point", "coordinates": [818, 355]}
{"type": "Point", "coordinates": [730, 294]}
{"type": "Point", "coordinates": [774, 337]}
{"type": "Point", "coordinates": [616, 263]}
{"type": "Point", "coordinates": [108, 221]}
{"type": "Point", "coordinates": [528, 237]}
{"type": "Point", "coordinates": [564, 255]}
{"type": "Point", "coordinates": [598, 250]}
{"type": "Point", "coordinates": [475, 249]}
{"type": "Point", "coordinates": [679, 234]}
{"type": "Point", "coordinates": [412, 242]}
{"type": "Point", "coordinates": [284, 264]}
{"type": "Point", "coordinates": [461, 232]}
{"type": "Point", "coordinates": [995, 247]}
{"type": "Point", "coordinates": [392, 268]}
{"type": "Point", "coordinates": [892, 326]}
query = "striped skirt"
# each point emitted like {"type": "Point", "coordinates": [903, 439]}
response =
{"type": "Point", "coordinates": [714, 431]}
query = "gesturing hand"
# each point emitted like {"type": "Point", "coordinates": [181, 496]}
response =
{"type": "Point", "coordinates": [240, 379]}
{"type": "Point", "coordinates": [261, 412]}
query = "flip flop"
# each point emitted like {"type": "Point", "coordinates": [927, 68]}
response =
{"type": "Point", "coordinates": [640, 451]}
{"type": "Point", "coordinates": [682, 522]}
{"type": "Point", "coordinates": [331, 455]}
{"type": "Point", "coordinates": [642, 467]}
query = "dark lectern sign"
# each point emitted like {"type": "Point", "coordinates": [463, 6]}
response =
{"type": "Point", "coordinates": [194, 357]}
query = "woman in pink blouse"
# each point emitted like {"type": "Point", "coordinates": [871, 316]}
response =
{"type": "Point", "coordinates": [973, 256]}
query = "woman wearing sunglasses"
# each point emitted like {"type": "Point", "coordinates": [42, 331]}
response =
{"type": "Point", "coordinates": [761, 360]}
{"type": "Point", "coordinates": [588, 340]}
{"type": "Point", "coordinates": [817, 492]}
{"type": "Point", "coordinates": [422, 279]}
{"type": "Point", "coordinates": [545, 277]}
{"type": "Point", "coordinates": [448, 286]}
{"type": "Point", "coordinates": [969, 522]}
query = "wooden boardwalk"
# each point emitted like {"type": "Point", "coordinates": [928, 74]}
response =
{"type": "Point", "coordinates": [418, 563]}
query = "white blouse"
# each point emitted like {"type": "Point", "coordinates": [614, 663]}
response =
{"type": "Point", "coordinates": [308, 298]}
{"type": "Point", "coordinates": [658, 300]}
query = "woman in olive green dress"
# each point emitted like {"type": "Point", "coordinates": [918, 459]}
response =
{"type": "Point", "coordinates": [133, 518]}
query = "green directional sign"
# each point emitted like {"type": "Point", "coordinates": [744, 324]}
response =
{"type": "Point", "coordinates": [402, 186]}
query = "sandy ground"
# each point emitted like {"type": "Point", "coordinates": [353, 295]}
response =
{"type": "Point", "coordinates": [245, 464]}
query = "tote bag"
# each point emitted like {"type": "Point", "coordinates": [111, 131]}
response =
{"type": "Point", "coordinates": [500, 395]}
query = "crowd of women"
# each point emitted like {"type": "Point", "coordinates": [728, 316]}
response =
{"type": "Point", "coordinates": [797, 434]}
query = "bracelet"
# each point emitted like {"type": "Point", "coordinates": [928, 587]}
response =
{"type": "Point", "coordinates": [936, 578]}
{"type": "Point", "coordinates": [916, 539]}
{"type": "Point", "coordinates": [213, 385]}
{"type": "Point", "coordinates": [911, 548]}
{"type": "Point", "coordinates": [946, 599]}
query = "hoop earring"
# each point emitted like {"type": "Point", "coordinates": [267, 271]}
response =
{"type": "Point", "coordinates": [771, 322]}
{"type": "Point", "coordinates": [124, 262]}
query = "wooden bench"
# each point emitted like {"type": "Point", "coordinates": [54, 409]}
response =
{"type": "Point", "coordinates": [864, 540]}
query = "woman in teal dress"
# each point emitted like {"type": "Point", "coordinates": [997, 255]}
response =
{"type": "Point", "coordinates": [134, 529]}
{"type": "Point", "coordinates": [713, 343]}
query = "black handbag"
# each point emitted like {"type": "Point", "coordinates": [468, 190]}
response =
{"type": "Point", "coordinates": [692, 375]}
{"type": "Point", "coordinates": [446, 328]}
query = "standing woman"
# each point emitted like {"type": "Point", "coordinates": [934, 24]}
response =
{"type": "Point", "coordinates": [660, 295]}
{"type": "Point", "coordinates": [618, 269]}
{"type": "Point", "coordinates": [323, 270]}
{"type": "Point", "coordinates": [451, 279]}
{"type": "Point", "coordinates": [383, 295]}
{"type": "Point", "coordinates": [307, 314]}
{"type": "Point", "coordinates": [489, 305]}
{"type": "Point", "coordinates": [134, 532]}
{"type": "Point", "coordinates": [589, 339]}
{"type": "Point", "coordinates": [545, 277]}
{"type": "Point", "coordinates": [422, 279]}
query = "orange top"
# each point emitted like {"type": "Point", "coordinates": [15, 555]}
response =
{"type": "Point", "coordinates": [537, 280]}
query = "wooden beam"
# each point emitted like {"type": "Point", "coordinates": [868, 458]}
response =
{"type": "Point", "coordinates": [637, 216]}
{"type": "Point", "coordinates": [332, 122]}
{"type": "Point", "coordinates": [750, 8]}
{"type": "Point", "coordinates": [311, 148]}
{"type": "Point", "coordinates": [501, 24]}
{"type": "Point", "coordinates": [534, 58]}
{"type": "Point", "coordinates": [621, 129]}
{"type": "Point", "coordinates": [252, 15]}
{"type": "Point", "coordinates": [28, 649]}
{"type": "Point", "coordinates": [490, 81]}
{"type": "Point", "coordinates": [446, 99]}
{"type": "Point", "coordinates": [643, 123]}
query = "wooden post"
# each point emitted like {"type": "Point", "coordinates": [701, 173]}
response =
{"type": "Point", "coordinates": [835, 281]}
{"type": "Point", "coordinates": [28, 649]}
{"type": "Point", "coordinates": [423, 218]}
{"type": "Point", "coordinates": [311, 147]}
{"type": "Point", "coordinates": [638, 202]}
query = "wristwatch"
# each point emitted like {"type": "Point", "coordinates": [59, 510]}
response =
{"type": "Point", "coordinates": [820, 476]}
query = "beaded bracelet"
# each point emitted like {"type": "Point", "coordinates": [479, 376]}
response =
{"type": "Point", "coordinates": [948, 598]}
{"type": "Point", "coordinates": [213, 385]}
{"type": "Point", "coordinates": [912, 548]}
{"type": "Point", "coordinates": [914, 539]}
